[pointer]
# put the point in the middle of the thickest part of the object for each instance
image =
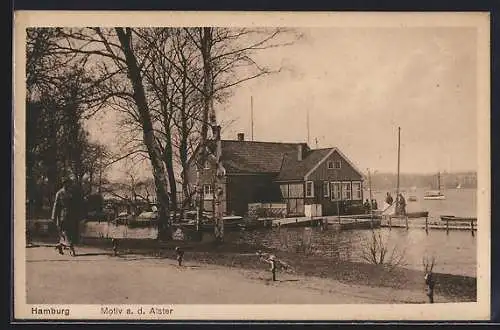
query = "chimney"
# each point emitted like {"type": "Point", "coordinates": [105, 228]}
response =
{"type": "Point", "coordinates": [241, 137]}
{"type": "Point", "coordinates": [299, 151]}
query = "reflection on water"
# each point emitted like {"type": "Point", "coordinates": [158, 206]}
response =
{"type": "Point", "coordinates": [455, 253]}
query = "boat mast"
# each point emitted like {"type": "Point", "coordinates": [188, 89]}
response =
{"type": "Point", "coordinates": [251, 114]}
{"type": "Point", "coordinates": [371, 196]}
{"type": "Point", "coordinates": [439, 182]}
{"type": "Point", "coordinates": [399, 154]}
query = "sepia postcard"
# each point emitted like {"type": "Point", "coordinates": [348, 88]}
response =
{"type": "Point", "coordinates": [251, 166]}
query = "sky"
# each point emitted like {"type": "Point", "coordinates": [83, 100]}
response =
{"type": "Point", "coordinates": [358, 85]}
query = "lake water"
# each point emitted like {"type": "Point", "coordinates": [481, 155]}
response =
{"type": "Point", "coordinates": [455, 253]}
{"type": "Point", "coordinates": [458, 202]}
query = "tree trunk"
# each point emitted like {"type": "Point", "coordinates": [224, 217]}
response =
{"type": "Point", "coordinates": [183, 148]}
{"type": "Point", "coordinates": [202, 157]}
{"type": "Point", "coordinates": [208, 89]}
{"type": "Point", "coordinates": [169, 164]}
{"type": "Point", "coordinates": [148, 134]}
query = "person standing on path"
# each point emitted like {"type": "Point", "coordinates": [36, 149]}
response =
{"type": "Point", "coordinates": [64, 215]}
{"type": "Point", "coordinates": [388, 199]}
{"type": "Point", "coordinates": [272, 261]}
{"type": "Point", "coordinates": [180, 255]}
{"type": "Point", "coordinates": [401, 205]}
{"type": "Point", "coordinates": [367, 206]}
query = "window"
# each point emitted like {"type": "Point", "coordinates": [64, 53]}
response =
{"type": "Point", "coordinates": [296, 190]}
{"type": "Point", "coordinates": [335, 191]}
{"type": "Point", "coordinates": [326, 189]}
{"type": "Point", "coordinates": [334, 164]}
{"type": "Point", "coordinates": [208, 192]}
{"type": "Point", "coordinates": [356, 191]}
{"type": "Point", "coordinates": [309, 189]}
{"type": "Point", "coordinates": [284, 190]}
{"type": "Point", "coordinates": [346, 190]}
{"type": "Point", "coordinates": [207, 166]}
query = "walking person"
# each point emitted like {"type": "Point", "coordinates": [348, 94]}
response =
{"type": "Point", "coordinates": [64, 214]}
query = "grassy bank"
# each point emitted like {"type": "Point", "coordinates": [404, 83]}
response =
{"type": "Point", "coordinates": [456, 288]}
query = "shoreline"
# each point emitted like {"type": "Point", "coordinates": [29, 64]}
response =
{"type": "Point", "coordinates": [99, 278]}
{"type": "Point", "coordinates": [456, 288]}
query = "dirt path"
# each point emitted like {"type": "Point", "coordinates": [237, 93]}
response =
{"type": "Point", "coordinates": [96, 277]}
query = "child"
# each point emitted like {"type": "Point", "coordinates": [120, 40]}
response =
{"type": "Point", "coordinates": [429, 282]}
{"type": "Point", "coordinates": [272, 261]}
{"type": "Point", "coordinates": [180, 255]}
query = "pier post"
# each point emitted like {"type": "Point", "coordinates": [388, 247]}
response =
{"type": "Point", "coordinates": [390, 222]}
{"type": "Point", "coordinates": [472, 227]}
{"type": "Point", "coordinates": [447, 227]}
{"type": "Point", "coordinates": [427, 225]}
{"type": "Point", "coordinates": [406, 221]}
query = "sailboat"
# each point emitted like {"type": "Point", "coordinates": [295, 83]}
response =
{"type": "Point", "coordinates": [435, 194]}
{"type": "Point", "coordinates": [390, 210]}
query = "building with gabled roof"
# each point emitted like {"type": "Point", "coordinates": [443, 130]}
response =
{"type": "Point", "coordinates": [291, 173]}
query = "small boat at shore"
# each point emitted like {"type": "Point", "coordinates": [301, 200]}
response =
{"type": "Point", "coordinates": [454, 218]}
{"type": "Point", "coordinates": [435, 194]}
{"type": "Point", "coordinates": [412, 215]}
{"type": "Point", "coordinates": [419, 214]}
{"type": "Point", "coordinates": [390, 211]}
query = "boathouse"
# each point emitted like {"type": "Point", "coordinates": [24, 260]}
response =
{"type": "Point", "coordinates": [306, 181]}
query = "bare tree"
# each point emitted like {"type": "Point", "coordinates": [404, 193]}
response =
{"type": "Point", "coordinates": [166, 81]}
{"type": "Point", "coordinates": [118, 58]}
{"type": "Point", "coordinates": [227, 62]}
{"type": "Point", "coordinates": [376, 251]}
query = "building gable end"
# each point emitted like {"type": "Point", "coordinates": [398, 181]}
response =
{"type": "Point", "coordinates": [315, 167]}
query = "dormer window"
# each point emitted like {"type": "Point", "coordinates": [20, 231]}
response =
{"type": "Point", "coordinates": [334, 164]}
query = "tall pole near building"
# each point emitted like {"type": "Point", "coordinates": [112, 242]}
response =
{"type": "Point", "coordinates": [307, 123]}
{"type": "Point", "coordinates": [371, 195]}
{"type": "Point", "coordinates": [251, 113]}
{"type": "Point", "coordinates": [399, 156]}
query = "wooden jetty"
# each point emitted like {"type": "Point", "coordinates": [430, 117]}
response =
{"type": "Point", "coordinates": [344, 222]}
{"type": "Point", "coordinates": [297, 222]}
{"type": "Point", "coordinates": [354, 223]}
{"type": "Point", "coordinates": [447, 223]}
{"type": "Point", "coordinates": [360, 221]}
